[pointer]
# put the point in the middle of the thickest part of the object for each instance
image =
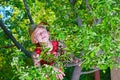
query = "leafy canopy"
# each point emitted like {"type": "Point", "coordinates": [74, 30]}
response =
{"type": "Point", "coordinates": [96, 42]}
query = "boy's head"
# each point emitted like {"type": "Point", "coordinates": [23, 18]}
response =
{"type": "Point", "coordinates": [39, 33]}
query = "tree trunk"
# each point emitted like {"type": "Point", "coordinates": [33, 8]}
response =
{"type": "Point", "coordinates": [97, 75]}
{"type": "Point", "coordinates": [115, 74]}
{"type": "Point", "coordinates": [76, 73]}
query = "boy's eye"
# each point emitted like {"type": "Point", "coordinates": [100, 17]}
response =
{"type": "Point", "coordinates": [41, 33]}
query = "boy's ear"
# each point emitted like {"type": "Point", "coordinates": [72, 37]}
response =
{"type": "Point", "coordinates": [33, 40]}
{"type": "Point", "coordinates": [48, 32]}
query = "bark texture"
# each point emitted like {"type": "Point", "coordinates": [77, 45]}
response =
{"type": "Point", "coordinates": [76, 73]}
{"type": "Point", "coordinates": [115, 74]}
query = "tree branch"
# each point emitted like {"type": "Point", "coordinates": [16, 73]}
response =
{"type": "Point", "coordinates": [76, 73]}
{"type": "Point", "coordinates": [72, 64]}
{"type": "Point", "coordinates": [88, 6]}
{"type": "Point", "coordinates": [88, 72]}
{"type": "Point", "coordinates": [98, 21]}
{"type": "Point", "coordinates": [79, 21]}
{"type": "Point", "coordinates": [19, 46]}
{"type": "Point", "coordinates": [28, 12]}
{"type": "Point", "coordinates": [72, 2]}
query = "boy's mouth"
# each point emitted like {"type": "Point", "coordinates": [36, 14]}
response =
{"type": "Point", "coordinates": [43, 37]}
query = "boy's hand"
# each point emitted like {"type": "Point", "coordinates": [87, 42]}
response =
{"type": "Point", "coordinates": [59, 76]}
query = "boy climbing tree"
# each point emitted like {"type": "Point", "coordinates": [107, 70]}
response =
{"type": "Point", "coordinates": [40, 37]}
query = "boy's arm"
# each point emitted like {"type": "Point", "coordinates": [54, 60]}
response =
{"type": "Point", "coordinates": [35, 58]}
{"type": "Point", "coordinates": [61, 47]}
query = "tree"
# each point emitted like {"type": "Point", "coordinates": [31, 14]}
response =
{"type": "Point", "coordinates": [89, 29]}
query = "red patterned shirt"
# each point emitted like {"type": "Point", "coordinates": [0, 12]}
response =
{"type": "Point", "coordinates": [53, 51]}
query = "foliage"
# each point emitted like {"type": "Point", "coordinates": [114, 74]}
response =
{"type": "Point", "coordinates": [97, 45]}
{"type": "Point", "coordinates": [28, 72]}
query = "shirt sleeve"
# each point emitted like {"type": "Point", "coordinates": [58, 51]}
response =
{"type": "Point", "coordinates": [37, 50]}
{"type": "Point", "coordinates": [55, 47]}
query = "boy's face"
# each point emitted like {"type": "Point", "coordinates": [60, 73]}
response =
{"type": "Point", "coordinates": [41, 35]}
